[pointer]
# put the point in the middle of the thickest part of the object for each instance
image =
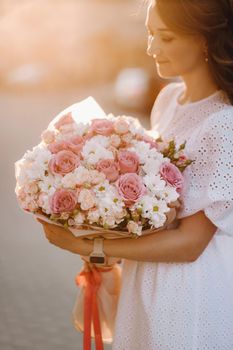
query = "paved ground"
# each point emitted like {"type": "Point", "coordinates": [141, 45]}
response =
{"type": "Point", "coordinates": [37, 289]}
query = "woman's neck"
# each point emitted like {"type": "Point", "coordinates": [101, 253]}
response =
{"type": "Point", "coordinates": [198, 87]}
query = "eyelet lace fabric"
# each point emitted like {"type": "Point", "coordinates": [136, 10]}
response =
{"type": "Point", "coordinates": [188, 306]}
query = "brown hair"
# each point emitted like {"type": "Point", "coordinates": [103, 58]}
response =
{"type": "Point", "coordinates": [213, 19]}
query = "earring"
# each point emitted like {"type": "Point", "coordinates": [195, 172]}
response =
{"type": "Point", "coordinates": [206, 54]}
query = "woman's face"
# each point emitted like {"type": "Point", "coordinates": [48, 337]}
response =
{"type": "Point", "coordinates": [175, 54]}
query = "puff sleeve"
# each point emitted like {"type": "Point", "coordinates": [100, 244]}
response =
{"type": "Point", "coordinates": [209, 180]}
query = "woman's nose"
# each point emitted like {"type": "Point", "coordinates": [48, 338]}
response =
{"type": "Point", "coordinates": [152, 47]}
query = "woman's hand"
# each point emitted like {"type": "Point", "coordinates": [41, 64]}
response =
{"type": "Point", "coordinates": [64, 239]}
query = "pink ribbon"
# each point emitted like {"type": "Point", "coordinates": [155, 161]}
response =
{"type": "Point", "coordinates": [90, 278]}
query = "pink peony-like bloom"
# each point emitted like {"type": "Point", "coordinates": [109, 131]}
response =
{"type": "Point", "coordinates": [31, 188]}
{"type": "Point", "coordinates": [131, 188]}
{"type": "Point", "coordinates": [63, 162]}
{"type": "Point", "coordinates": [48, 136]}
{"type": "Point", "coordinates": [102, 126]}
{"type": "Point", "coordinates": [86, 199]}
{"type": "Point", "coordinates": [128, 162]}
{"type": "Point", "coordinates": [115, 140]}
{"type": "Point", "coordinates": [172, 175]}
{"type": "Point", "coordinates": [75, 144]}
{"type": "Point", "coordinates": [65, 119]}
{"type": "Point", "coordinates": [121, 126]}
{"type": "Point", "coordinates": [62, 201]}
{"type": "Point", "coordinates": [110, 168]}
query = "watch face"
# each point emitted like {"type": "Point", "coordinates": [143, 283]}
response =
{"type": "Point", "coordinates": [97, 259]}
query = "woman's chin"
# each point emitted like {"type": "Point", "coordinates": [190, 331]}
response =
{"type": "Point", "coordinates": [165, 74]}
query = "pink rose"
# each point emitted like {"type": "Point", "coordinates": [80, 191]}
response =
{"type": "Point", "coordinates": [110, 168]}
{"type": "Point", "coordinates": [128, 162]}
{"type": "Point", "coordinates": [65, 119]}
{"type": "Point", "coordinates": [63, 162]}
{"type": "Point", "coordinates": [131, 188]}
{"type": "Point", "coordinates": [75, 144]}
{"type": "Point", "coordinates": [172, 175]}
{"type": "Point", "coordinates": [102, 127]}
{"type": "Point", "coordinates": [58, 146]}
{"type": "Point", "coordinates": [62, 201]}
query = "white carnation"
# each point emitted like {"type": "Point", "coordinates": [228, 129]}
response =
{"type": "Point", "coordinates": [96, 149]}
{"type": "Point", "coordinates": [82, 175]}
{"type": "Point", "coordinates": [141, 148]}
{"type": "Point", "coordinates": [69, 180]}
{"type": "Point", "coordinates": [33, 165]}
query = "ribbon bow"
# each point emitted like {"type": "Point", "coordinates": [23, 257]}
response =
{"type": "Point", "coordinates": [90, 278]}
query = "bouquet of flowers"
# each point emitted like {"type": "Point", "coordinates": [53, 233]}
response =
{"type": "Point", "coordinates": [106, 174]}
{"type": "Point", "coordinates": [101, 175]}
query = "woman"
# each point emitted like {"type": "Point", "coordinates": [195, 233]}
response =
{"type": "Point", "coordinates": [177, 284]}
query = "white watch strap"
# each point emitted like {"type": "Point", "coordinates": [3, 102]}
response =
{"type": "Point", "coordinates": [98, 246]}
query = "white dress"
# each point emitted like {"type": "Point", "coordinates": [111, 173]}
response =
{"type": "Point", "coordinates": [188, 306]}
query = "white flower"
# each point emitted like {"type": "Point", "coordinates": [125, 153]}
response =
{"type": "Point", "coordinates": [86, 198]}
{"type": "Point", "coordinates": [133, 227]}
{"type": "Point", "coordinates": [43, 202]}
{"type": "Point", "coordinates": [151, 166]}
{"type": "Point", "coordinates": [109, 221]}
{"type": "Point", "coordinates": [158, 219]}
{"type": "Point", "coordinates": [109, 203]}
{"type": "Point", "coordinates": [169, 194]}
{"type": "Point", "coordinates": [153, 209]}
{"type": "Point", "coordinates": [96, 149]}
{"type": "Point", "coordinates": [50, 183]}
{"type": "Point", "coordinates": [154, 183]}
{"type": "Point", "coordinates": [93, 216]}
{"type": "Point", "coordinates": [82, 175]}
{"type": "Point", "coordinates": [33, 165]}
{"type": "Point", "coordinates": [69, 180]}
{"type": "Point", "coordinates": [81, 129]}
{"type": "Point", "coordinates": [141, 148]}
{"type": "Point", "coordinates": [79, 218]}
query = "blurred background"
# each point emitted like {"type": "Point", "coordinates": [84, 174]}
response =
{"type": "Point", "coordinates": [55, 53]}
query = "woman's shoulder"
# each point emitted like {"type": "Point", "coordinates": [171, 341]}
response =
{"type": "Point", "coordinates": [221, 119]}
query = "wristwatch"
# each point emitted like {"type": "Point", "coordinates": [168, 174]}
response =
{"type": "Point", "coordinates": [97, 256]}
